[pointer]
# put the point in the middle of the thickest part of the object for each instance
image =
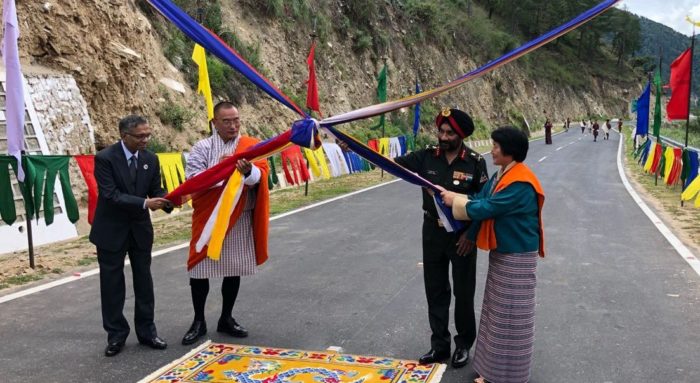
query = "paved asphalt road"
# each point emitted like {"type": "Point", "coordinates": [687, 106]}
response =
{"type": "Point", "coordinates": [615, 302]}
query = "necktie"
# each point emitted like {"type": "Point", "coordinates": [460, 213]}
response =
{"type": "Point", "coordinates": [132, 169]}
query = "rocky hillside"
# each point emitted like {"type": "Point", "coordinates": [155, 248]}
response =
{"type": "Point", "coordinates": [116, 50]}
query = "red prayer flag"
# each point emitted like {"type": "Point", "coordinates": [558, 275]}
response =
{"type": "Point", "coordinates": [86, 163]}
{"type": "Point", "coordinates": [677, 107]}
{"type": "Point", "coordinates": [294, 166]}
{"type": "Point", "coordinates": [312, 89]}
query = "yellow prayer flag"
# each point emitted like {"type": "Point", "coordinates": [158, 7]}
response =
{"type": "Point", "coordinates": [668, 164]}
{"type": "Point", "coordinates": [650, 157]}
{"type": "Point", "coordinates": [171, 169]}
{"type": "Point", "coordinates": [696, 23]}
{"type": "Point", "coordinates": [384, 143]}
{"type": "Point", "coordinates": [199, 56]}
{"type": "Point", "coordinates": [317, 162]}
{"type": "Point", "coordinates": [691, 190]}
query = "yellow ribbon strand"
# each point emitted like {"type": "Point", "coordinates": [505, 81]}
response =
{"type": "Point", "coordinates": [229, 199]}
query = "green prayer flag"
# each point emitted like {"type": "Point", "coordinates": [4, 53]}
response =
{"type": "Point", "coordinates": [657, 107]}
{"type": "Point", "coordinates": [41, 172]}
{"type": "Point", "coordinates": [272, 179]}
{"type": "Point", "coordinates": [661, 169]}
{"type": "Point", "coordinates": [7, 202]}
{"type": "Point", "coordinates": [411, 143]}
{"type": "Point", "coordinates": [381, 93]}
{"type": "Point", "coordinates": [685, 170]}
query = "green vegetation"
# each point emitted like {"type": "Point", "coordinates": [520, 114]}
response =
{"type": "Point", "coordinates": [225, 81]}
{"type": "Point", "coordinates": [155, 145]}
{"type": "Point", "coordinates": [175, 115]}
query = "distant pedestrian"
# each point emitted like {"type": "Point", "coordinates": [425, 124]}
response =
{"type": "Point", "coordinates": [619, 125]}
{"type": "Point", "coordinates": [548, 132]}
{"type": "Point", "coordinates": [583, 127]}
{"type": "Point", "coordinates": [606, 130]}
{"type": "Point", "coordinates": [595, 127]}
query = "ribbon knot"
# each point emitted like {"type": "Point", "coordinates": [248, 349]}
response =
{"type": "Point", "coordinates": [305, 133]}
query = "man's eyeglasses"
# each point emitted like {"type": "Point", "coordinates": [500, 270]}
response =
{"type": "Point", "coordinates": [230, 121]}
{"type": "Point", "coordinates": [141, 137]}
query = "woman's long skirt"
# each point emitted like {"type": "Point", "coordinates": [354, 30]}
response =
{"type": "Point", "coordinates": [507, 327]}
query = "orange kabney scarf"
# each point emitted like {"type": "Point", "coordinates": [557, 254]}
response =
{"type": "Point", "coordinates": [204, 203]}
{"type": "Point", "coordinates": [486, 239]}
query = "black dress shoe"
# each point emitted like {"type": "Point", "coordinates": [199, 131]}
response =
{"type": "Point", "coordinates": [231, 327]}
{"type": "Point", "coordinates": [196, 331]}
{"type": "Point", "coordinates": [114, 348]}
{"type": "Point", "coordinates": [433, 356]}
{"type": "Point", "coordinates": [155, 342]}
{"type": "Point", "coordinates": [460, 358]}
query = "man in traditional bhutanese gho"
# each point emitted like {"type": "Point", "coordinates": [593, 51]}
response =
{"type": "Point", "coordinates": [455, 167]}
{"type": "Point", "coordinates": [245, 243]}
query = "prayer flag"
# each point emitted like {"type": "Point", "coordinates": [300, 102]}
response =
{"type": "Point", "coordinates": [416, 113]}
{"type": "Point", "coordinates": [381, 93]}
{"type": "Point", "coordinates": [643, 112]}
{"type": "Point", "coordinates": [15, 89]}
{"type": "Point", "coordinates": [86, 163]}
{"type": "Point", "coordinates": [657, 106]}
{"type": "Point", "coordinates": [199, 56]}
{"type": "Point", "coordinates": [677, 107]}
{"type": "Point", "coordinates": [312, 87]}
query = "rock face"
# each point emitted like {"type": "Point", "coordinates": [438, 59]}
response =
{"type": "Point", "coordinates": [110, 49]}
{"type": "Point", "coordinates": [116, 58]}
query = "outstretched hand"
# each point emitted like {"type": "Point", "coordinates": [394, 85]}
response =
{"type": "Point", "coordinates": [448, 197]}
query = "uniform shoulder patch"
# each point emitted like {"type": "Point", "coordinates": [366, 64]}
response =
{"type": "Point", "coordinates": [475, 155]}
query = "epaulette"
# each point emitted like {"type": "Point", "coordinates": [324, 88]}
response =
{"type": "Point", "coordinates": [474, 154]}
{"type": "Point", "coordinates": [434, 149]}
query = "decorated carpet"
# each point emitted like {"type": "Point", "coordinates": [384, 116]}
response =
{"type": "Point", "coordinates": [216, 362]}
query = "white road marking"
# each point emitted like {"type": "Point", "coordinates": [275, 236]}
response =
{"type": "Point", "coordinates": [560, 148]}
{"type": "Point", "coordinates": [542, 159]}
{"type": "Point", "coordinates": [79, 276]}
{"type": "Point", "coordinates": [680, 248]}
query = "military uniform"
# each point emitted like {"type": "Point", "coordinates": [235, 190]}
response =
{"type": "Point", "coordinates": [466, 175]}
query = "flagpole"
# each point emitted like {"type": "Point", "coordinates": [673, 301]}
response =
{"type": "Point", "coordinates": [313, 40]}
{"type": "Point", "coordinates": [658, 94]}
{"type": "Point", "coordinates": [690, 86]}
{"type": "Point", "coordinates": [383, 130]}
{"type": "Point", "coordinates": [28, 220]}
{"type": "Point", "coordinates": [690, 92]}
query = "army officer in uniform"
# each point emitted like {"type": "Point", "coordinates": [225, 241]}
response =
{"type": "Point", "coordinates": [459, 169]}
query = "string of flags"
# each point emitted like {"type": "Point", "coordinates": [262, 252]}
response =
{"type": "Point", "coordinates": [43, 171]}
{"type": "Point", "coordinates": [674, 164]}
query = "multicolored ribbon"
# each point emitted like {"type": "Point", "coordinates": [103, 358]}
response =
{"type": "Point", "coordinates": [217, 47]}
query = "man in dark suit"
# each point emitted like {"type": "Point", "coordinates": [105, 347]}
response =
{"type": "Point", "coordinates": [129, 183]}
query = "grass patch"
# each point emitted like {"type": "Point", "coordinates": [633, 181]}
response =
{"type": "Point", "coordinates": [86, 261]}
{"type": "Point", "coordinates": [23, 279]}
{"type": "Point", "coordinates": [667, 198]}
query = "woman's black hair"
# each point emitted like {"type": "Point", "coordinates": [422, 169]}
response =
{"type": "Point", "coordinates": [513, 142]}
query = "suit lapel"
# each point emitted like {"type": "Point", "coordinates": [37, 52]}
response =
{"type": "Point", "coordinates": [122, 165]}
